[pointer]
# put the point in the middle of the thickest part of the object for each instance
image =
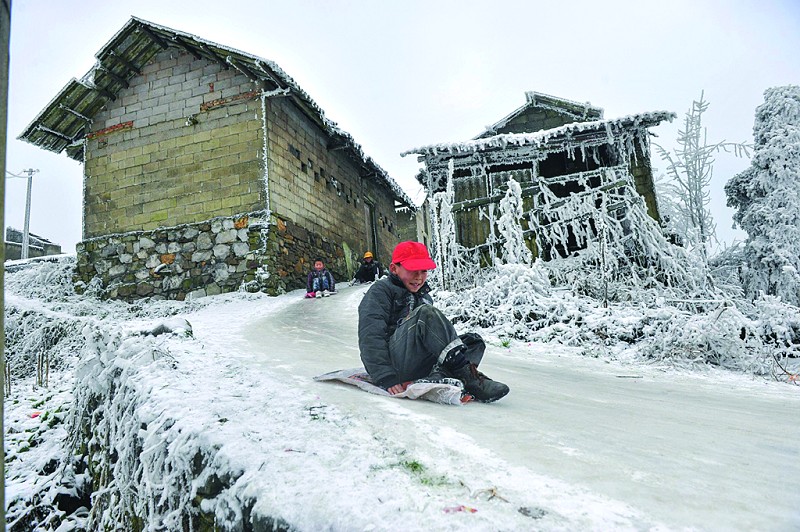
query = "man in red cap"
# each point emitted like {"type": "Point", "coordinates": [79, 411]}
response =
{"type": "Point", "coordinates": [403, 337]}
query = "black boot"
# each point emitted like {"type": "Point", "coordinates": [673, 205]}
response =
{"type": "Point", "coordinates": [438, 375]}
{"type": "Point", "coordinates": [481, 387]}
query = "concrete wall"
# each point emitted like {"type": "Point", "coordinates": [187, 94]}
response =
{"type": "Point", "coordinates": [184, 145]}
{"type": "Point", "coordinates": [181, 145]}
{"type": "Point", "coordinates": [322, 195]}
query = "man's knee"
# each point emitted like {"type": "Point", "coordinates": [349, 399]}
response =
{"type": "Point", "coordinates": [427, 312]}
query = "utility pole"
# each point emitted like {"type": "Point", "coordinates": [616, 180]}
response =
{"type": "Point", "coordinates": [26, 234]}
{"type": "Point", "coordinates": [5, 30]}
{"type": "Point", "coordinates": [26, 230]}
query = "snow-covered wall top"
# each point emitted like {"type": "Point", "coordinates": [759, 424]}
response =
{"type": "Point", "coordinates": [563, 134]}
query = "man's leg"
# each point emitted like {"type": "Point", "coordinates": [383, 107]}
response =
{"type": "Point", "coordinates": [475, 346]}
{"type": "Point", "coordinates": [424, 338]}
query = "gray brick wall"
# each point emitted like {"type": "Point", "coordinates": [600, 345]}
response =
{"type": "Point", "coordinates": [184, 145]}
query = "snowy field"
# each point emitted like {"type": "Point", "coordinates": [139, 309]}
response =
{"type": "Point", "coordinates": [580, 443]}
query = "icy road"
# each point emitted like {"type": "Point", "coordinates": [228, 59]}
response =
{"type": "Point", "coordinates": [665, 450]}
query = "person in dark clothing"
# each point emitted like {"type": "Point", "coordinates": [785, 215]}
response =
{"type": "Point", "coordinates": [370, 269]}
{"type": "Point", "coordinates": [320, 282]}
{"type": "Point", "coordinates": [402, 337]}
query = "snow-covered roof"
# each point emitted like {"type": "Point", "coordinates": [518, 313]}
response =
{"type": "Point", "coordinates": [575, 110]}
{"type": "Point", "coordinates": [576, 132]}
{"type": "Point", "coordinates": [65, 121]}
{"type": "Point", "coordinates": [15, 235]}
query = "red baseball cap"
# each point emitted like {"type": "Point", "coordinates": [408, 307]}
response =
{"type": "Point", "coordinates": [412, 256]}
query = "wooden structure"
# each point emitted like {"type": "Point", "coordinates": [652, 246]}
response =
{"type": "Point", "coordinates": [561, 153]}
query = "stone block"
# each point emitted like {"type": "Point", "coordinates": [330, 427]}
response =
{"type": "Point", "coordinates": [221, 251]}
{"type": "Point", "coordinates": [226, 236]}
{"type": "Point", "coordinates": [201, 256]}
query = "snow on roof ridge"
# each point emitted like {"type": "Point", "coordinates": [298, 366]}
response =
{"type": "Point", "coordinates": [530, 96]}
{"type": "Point", "coordinates": [538, 137]}
{"type": "Point", "coordinates": [530, 100]}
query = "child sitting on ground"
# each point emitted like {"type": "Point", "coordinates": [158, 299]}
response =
{"type": "Point", "coordinates": [403, 337]}
{"type": "Point", "coordinates": [370, 269]}
{"type": "Point", "coordinates": [320, 281]}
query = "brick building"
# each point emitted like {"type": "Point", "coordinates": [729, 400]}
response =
{"type": "Point", "coordinates": [563, 154]}
{"type": "Point", "coordinates": [207, 169]}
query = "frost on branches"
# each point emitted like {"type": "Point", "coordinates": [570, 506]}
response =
{"type": "Point", "coordinates": [605, 279]}
{"type": "Point", "coordinates": [691, 168]}
{"type": "Point", "coordinates": [766, 197]}
{"type": "Point", "coordinates": [514, 250]}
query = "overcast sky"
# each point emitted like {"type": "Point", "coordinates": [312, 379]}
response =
{"type": "Point", "coordinates": [397, 75]}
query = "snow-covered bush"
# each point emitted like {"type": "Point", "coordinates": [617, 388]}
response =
{"type": "Point", "coordinates": [766, 197]}
{"type": "Point", "coordinates": [762, 338]}
{"type": "Point", "coordinates": [507, 298]}
{"type": "Point", "coordinates": [664, 304]}
{"type": "Point", "coordinates": [140, 473]}
{"type": "Point", "coordinates": [38, 338]}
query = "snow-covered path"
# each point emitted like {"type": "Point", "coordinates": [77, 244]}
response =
{"type": "Point", "coordinates": [632, 446]}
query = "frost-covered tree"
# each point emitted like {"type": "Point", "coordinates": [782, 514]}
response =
{"type": "Point", "coordinates": [514, 250]}
{"type": "Point", "coordinates": [457, 266]}
{"type": "Point", "coordinates": [766, 197]}
{"type": "Point", "coordinates": [691, 168]}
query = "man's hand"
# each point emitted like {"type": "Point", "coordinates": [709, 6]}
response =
{"type": "Point", "coordinates": [398, 388]}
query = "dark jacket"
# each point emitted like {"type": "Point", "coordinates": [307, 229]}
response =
{"type": "Point", "coordinates": [385, 305]}
{"type": "Point", "coordinates": [322, 274]}
{"type": "Point", "coordinates": [369, 271]}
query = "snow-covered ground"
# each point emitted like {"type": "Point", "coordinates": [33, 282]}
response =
{"type": "Point", "coordinates": [580, 443]}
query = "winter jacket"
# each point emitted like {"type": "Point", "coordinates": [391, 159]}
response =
{"type": "Point", "coordinates": [324, 276]}
{"type": "Point", "coordinates": [385, 305]}
{"type": "Point", "coordinates": [369, 271]}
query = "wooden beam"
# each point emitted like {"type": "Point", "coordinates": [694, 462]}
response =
{"type": "Point", "coordinates": [105, 92]}
{"type": "Point", "coordinates": [76, 113]}
{"type": "Point", "coordinates": [54, 133]}
{"type": "Point", "coordinates": [526, 193]}
{"type": "Point", "coordinates": [186, 46]}
{"type": "Point", "coordinates": [124, 62]}
{"type": "Point", "coordinates": [121, 81]}
{"type": "Point", "coordinates": [238, 65]}
{"type": "Point", "coordinates": [214, 56]}
{"type": "Point", "coordinates": [264, 70]}
{"type": "Point", "coordinates": [335, 146]}
{"type": "Point", "coordinates": [478, 202]}
{"type": "Point", "coordinates": [158, 40]}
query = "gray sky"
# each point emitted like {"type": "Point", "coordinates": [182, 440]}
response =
{"type": "Point", "coordinates": [397, 75]}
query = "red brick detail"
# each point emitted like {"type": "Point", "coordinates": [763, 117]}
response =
{"type": "Point", "coordinates": [219, 102]}
{"type": "Point", "coordinates": [124, 126]}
